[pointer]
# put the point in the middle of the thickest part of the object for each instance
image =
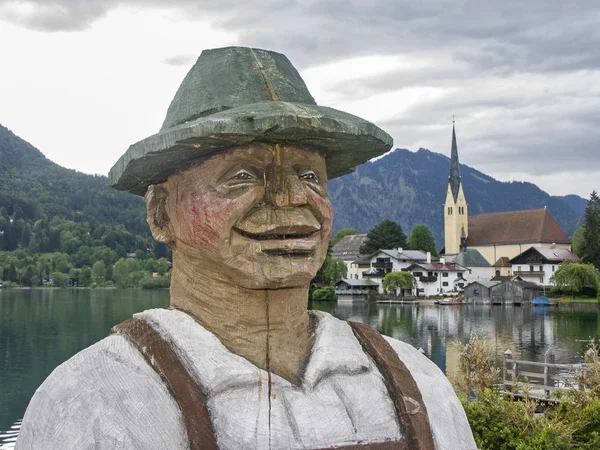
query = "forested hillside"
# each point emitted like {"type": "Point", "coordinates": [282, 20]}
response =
{"type": "Point", "coordinates": [59, 221]}
{"type": "Point", "coordinates": [410, 188]}
{"type": "Point", "coordinates": [47, 209]}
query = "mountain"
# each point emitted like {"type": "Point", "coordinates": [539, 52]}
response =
{"type": "Point", "coordinates": [42, 203]}
{"type": "Point", "coordinates": [410, 188]}
{"type": "Point", "coordinates": [47, 208]}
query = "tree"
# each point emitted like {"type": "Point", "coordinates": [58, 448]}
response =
{"type": "Point", "coordinates": [577, 241]}
{"type": "Point", "coordinates": [573, 277]}
{"type": "Point", "coordinates": [334, 270]}
{"type": "Point", "coordinates": [337, 237]}
{"type": "Point", "coordinates": [405, 281]}
{"type": "Point", "coordinates": [421, 239]}
{"type": "Point", "coordinates": [386, 234]}
{"type": "Point", "coordinates": [591, 236]}
{"type": "Point", "coordinates": [99, 272]}
{"type": "Point", "coordinates": [59, 279]}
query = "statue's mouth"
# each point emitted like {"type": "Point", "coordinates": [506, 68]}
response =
{"type": "Point", "coordinates": [287, 234]}
{"type": "Point", "coordinates": [290, 232]}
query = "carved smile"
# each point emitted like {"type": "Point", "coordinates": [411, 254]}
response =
{"type": "Point", "coordinates": [274, 236]}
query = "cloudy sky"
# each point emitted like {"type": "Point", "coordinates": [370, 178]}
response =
{"type": "Point", "coordinates": [83, 79]}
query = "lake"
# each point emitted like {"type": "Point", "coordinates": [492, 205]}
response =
{"type": "Point", "coordinates": [39, 329]}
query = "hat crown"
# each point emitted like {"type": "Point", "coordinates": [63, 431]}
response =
{"type": "Point", "coordinates": [226, 78]}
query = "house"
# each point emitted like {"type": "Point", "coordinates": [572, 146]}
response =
{"type": "Point", "coordinates": [436, 278]}
{"type": "Point", "coordinates": [378, 264]}
{"type": "Point", "coordinates": [538, 264]}
{"type": "Point", "coordinates": [503, 267]}
{"type": "Point", "coordinates": [479, 291]}
{"type": "Point", "coordinates": [355, 287]}
{"type": "Point", "coordinates": [514, 292]}
{"type": "Point", "coordinates": [496, 235]}
{"type": "Point", "coordinates": [348, 250]}
{"type": "Point", "coordinates": [479, 267]}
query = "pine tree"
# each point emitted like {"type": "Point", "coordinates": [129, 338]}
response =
{"type": "Point", "coordinates": [590, 251]}
{"type": "Point", "coordinates": [421, 239]}
{"type": "Point", "coordinates": [386, 234]}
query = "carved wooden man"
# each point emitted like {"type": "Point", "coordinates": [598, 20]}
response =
{"type": "Point", "coordinates": [235, 182]}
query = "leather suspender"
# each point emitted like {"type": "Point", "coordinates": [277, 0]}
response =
{"type": "Point", "coordinates": [181, 385]}
{"type": "Point", "coordinates": [401, 386]}
{"type": "Point", "coordinates": [403, 390]}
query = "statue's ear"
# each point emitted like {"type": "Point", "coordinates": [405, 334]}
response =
{"type": "Point", "coordinates": [157, 216]}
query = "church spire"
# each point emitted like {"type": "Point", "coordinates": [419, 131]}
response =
{"type": "Point", "coordinates": [454, 178]}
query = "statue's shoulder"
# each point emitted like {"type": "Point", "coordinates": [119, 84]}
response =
{"type": "Point", "coordinates": [447, 417]}
{"type": "Point", "coordinates": [105, 393]}
{"type": "Point", "coordinates": [448, 421]}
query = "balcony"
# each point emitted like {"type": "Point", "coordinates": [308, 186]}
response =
{"type": "Point", "coordinates": [373, 273]}
{"type": "Point", "coordinates": [427, 279]}
{"type": "Point", "coordinates": [529, 273]}
{"type": "Point", "coordinates": [383, 265]}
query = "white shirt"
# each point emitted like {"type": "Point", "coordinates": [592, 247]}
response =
{"type": "Point", "coordinates": [108, 396]}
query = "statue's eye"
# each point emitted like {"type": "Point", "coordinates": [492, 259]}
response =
{"type": "Point", "coordinates": [309, 176]}
{"type": "Point", "coordinates": [242, 175]}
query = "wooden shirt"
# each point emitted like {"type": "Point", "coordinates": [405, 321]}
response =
{"type": "Point", "coordinates": [108, 397]}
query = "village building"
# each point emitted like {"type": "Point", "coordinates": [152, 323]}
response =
{"type": "Point", "coordinates": [377, 265]}
{"type": "Point", "coordinates": [479, 267]}
{"type": "Point", "coordinates": [355, 287]}
{"type": "Point", "coordinates": [347, 249]}
{"type": "Point", "coordinates": [503, 267]}
{"type": "Point", "coordinates": [538, 264]}
{"type": "Point", "coordinates": [498, 237]}
{"type": "Point", "coordinates": [438, 278]}
{"type": "Point", "coordinates": [514, 291]}
{"type": "Point", "coordinates": [479, 291]}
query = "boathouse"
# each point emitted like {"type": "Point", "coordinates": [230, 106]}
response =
{"type": "Point", "coordinates": [479, 291]}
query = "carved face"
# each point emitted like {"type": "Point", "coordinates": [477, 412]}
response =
{"type": "Point", "coordinates": [257, 215]}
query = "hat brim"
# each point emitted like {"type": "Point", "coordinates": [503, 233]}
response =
{"type": "Point", "coordinates": [345, 140]}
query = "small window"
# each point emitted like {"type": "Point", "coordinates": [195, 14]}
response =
{"type": "Point", "coordinates": [459, 274]}
{"type": "Point", "coordinates": [461, 285]}
{"type": "Point", "coordinates": [445, 283]}
{"type": "Point", "coordinates": [418, 274]}
{"type": "Point", "coordinates": [475, 292]}
{"type": "Point", "coordinates": [445, 274]}
{"type": "Point", "coordinates": [449, 210]}
{"type": "Point", "coordinates": [553, 268]}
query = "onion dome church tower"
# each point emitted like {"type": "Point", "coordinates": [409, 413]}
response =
{"type": "Point", "coordinates": [456, 219]}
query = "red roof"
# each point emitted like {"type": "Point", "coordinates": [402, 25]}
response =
{"type": "Point", "coordinates": [515, 227]}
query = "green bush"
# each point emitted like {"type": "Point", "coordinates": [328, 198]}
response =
{"type": "Point", "coordinates": [154, 283]}
{"type": "Point", "coordinates": [499, 422]}
{"type": "Point", "coordinates": [59, 279]}
{"type": "Point", "coordinates": [326, 294]}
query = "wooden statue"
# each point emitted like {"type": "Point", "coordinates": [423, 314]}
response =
{"type": "Point", "coordinates": [236, 183]}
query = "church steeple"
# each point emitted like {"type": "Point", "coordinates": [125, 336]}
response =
{"type": "Point", "coordinates": [456, 219]}
{"type": "Point", "coordinates": [454, 177]}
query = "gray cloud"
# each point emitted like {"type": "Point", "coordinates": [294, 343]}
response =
{"type": "Point", "coordinates": [521, 75]}
{"type": "Point", "coordinates": [180, 60]}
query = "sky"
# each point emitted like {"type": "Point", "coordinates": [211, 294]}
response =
{"type": "Point", "coordinates": [83, 79]}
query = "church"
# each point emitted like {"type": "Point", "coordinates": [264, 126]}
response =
{"type": "Point", "coordinates": [494, 238]}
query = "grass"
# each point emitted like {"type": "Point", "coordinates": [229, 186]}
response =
{"type": "Point", "coordinates": [577, 298]}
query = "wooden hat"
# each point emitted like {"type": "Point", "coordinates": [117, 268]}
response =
{"type": "Point", "coordinates": [234, 96]}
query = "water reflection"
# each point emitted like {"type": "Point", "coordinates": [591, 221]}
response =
{"type": "Point", "coordinates": [39, 329]}
{"type": "Point", "coordinates": [528, 332]}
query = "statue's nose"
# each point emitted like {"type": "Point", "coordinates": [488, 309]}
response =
{"type": "Point", "coordinates": [285, 189]}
